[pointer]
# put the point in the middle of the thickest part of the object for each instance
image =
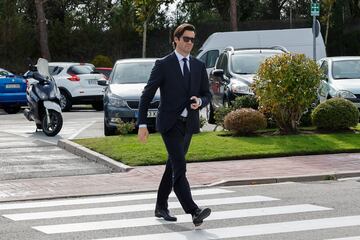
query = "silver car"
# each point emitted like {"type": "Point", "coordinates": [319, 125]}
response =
{"type": "Point", "coordinates": [121, 99]}
{"type": "Point", "coordinates": [341, 79]}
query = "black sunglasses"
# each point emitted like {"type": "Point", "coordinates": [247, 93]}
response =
{"type": "Point", "coordinates": [187, 39]}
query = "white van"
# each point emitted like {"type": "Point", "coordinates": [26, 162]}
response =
{"type": "Point", "coordinates": [298, 40]}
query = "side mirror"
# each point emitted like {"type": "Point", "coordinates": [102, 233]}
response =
{"type": "Point", "coordinates": [103, 82]}
{"type": "Point", "coordinates": [218, 72]}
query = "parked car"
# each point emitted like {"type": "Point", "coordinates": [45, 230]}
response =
{"type": "Point", "coordinates": [77, 83]}
{"type": "Point", "coordinates": [341, 79]}
{"type": "Point", "coordinates": [295, 40]}
{"type": "Point", "coordinates": [122, 96]}
{"type": "Point", "coordinates": [12, 92]}
{"type": "Point", "coordinates": [234, 73]}
{"type": "Point", "coordinates": [104, 70]}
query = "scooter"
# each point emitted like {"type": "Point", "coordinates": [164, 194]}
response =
{"type": "Point", "coordinates": [43, 98]}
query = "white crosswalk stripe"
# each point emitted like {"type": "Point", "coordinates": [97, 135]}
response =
{"type": "Point", "coordinates": [130, 208]}
{"type": "Point", "coordinates": [106, 199]}
{"type": "Point", "coordinates": [107, 217]}
{"type": "Point", "coordinates": [347, 238]}
{"type": "Point", "coordinates": [251, 230]}
{"type": "Point", "coordinates": [141, 222]}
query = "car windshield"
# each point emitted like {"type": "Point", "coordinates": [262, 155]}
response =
{"type": "Point", "coordinates": [80, 69]}
{"type": "Point", "coordinates": [136, 72]}
{"type": "Point", "coordinates": [346, 69]}
{"type": "Point", "coordinates": [4, 73]}
{"type": "Point", "coordinates": [248, 63]}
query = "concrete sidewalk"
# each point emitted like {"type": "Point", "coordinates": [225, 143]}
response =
{"type": "Point", "coordinates": [254, 171]}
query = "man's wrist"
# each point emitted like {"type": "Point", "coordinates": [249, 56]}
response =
{"type": "Point", "coordinates": [142, 126]}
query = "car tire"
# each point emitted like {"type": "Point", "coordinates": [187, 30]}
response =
{"type": "Point", "coordinates": [65, 101]}
{"type": "Point", "coordinates": [99, 106]}
{"type": "Point", "coordinates": [109, 131]}
{"type": "Point", "coordinates": [12, 110]}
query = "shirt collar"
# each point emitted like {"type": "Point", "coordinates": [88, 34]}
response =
{"type": "Point", "coordinates": [180, 57]}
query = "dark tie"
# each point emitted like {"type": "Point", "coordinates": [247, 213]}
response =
{"type": "Point", "coordinates": [186, 72]}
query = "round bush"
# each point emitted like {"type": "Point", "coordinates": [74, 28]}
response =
{"type": "Point", "coordinates": [335, 114]}
{"type": "Point", "coordinates": [244, 121]}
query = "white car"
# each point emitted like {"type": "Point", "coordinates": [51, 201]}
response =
{"type": "Point", "coordinates": [77, 83]}
{"type": "Point", "coordinates": [341, 79]}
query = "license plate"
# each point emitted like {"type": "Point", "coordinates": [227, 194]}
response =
{"type": "Point", "coordinates": [93, 82]}
{"type": "Point", "coordinates": [150, 114]}
{"type": "Point", "coordinates": [12, 86]}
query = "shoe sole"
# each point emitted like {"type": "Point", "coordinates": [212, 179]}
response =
{"type": "Point", "coordinates": [204, 214]}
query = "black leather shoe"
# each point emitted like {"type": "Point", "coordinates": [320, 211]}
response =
{"type": "Point", "coordinates": [164, 213]}
{"type": "Point", "coordinates": [199, 215]}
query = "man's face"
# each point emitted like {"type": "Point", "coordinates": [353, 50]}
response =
{"type": "Point", "coordinates": [185, 43]}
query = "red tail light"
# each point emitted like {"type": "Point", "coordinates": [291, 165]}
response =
{"type": "Point", "coordinates": [74, 78]}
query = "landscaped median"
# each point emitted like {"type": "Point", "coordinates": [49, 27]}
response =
{"type": "Point", "coordinates": [210, 146]}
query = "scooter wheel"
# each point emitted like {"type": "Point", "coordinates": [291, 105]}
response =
{"type": "Point", "coordinates": [54, 126]}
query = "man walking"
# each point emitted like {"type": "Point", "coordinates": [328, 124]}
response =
{"type": "Point", "coordinates": [184, 88]}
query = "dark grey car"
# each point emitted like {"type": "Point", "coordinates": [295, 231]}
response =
{"type": "Point", "coordinates": [121, 99]}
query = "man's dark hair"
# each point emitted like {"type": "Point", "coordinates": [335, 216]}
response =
{"type": "Point", "coordinates": [179, 31]}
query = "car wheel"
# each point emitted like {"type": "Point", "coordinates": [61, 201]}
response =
{"type": "Point", "coordinates": [65, 101]}
{"type": "Point", "coordinates": [109, 131]}
{"type": "Point", "coordinates": [210, 114]}
{"type": "Point", "coordinates": [12, 110]}
{"type": "Point", "coordinates": [99, 106]}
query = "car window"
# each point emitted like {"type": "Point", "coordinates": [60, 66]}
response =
{"type": "Point", "coordinates": [248, 63]}
{"type": "Point", "coordinates": [137, 72]}
{"type": "Point", "coordinates": [80, 69]}
{"type": "Point", "coordinates": [4, 73]}
{"type": "Point", "coordinates": [220, 61]}
{"type": "Point", "coordinates": [346, 69]}
{"type": "Point", "coordinates": [324, 67]}
{"type": "Point", "coordinates": [55, 70]}
{"type": "Point", "coordinates": [209, 58]}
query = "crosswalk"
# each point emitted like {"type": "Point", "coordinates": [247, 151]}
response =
{"type": "Point", "coordinates": [130, 217]}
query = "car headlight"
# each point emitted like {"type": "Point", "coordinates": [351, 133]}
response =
{"type": "Point", "coordinates": [240, 88]}
{"type": "Point", "coordinates": [344, 94]}
{"type": "Point", "coordinates": [116, 101]}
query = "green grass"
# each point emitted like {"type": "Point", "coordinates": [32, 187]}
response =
{"type": "Point", "coordinates": [211, 146]}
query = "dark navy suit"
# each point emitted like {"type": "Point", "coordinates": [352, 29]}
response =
{"type": "Point", "coordinates": [175, 93]}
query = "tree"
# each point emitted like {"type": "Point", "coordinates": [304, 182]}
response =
{"type": "Point", "coordinates": [145, 10]}
{"type": "Point", "coordinates": [42, 27]}
{"type": "Point", "coordinates": [233, 15]}
{"type": "Point", "coordinates": [328, 5]}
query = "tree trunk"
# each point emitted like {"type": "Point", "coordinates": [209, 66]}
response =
{"type": "Point", "coordinates": [144, 39]}
{"type": "Point", "coordinates": [233, 15]}
{"type": "Point", "coordinates": [42, 27]}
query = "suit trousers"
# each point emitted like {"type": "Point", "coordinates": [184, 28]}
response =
{"type": "Point", "coordinates": [177, 142]}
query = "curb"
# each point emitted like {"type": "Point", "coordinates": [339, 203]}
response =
{"type": "Point", "coordinates": [84, 152]}
{"type": "Point", "coordinates": [301, 178]}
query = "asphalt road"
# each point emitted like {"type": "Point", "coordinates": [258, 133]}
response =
{"type": "Point", "coordinates": [296, 211]}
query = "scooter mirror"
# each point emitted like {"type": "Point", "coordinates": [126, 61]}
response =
{"type": "Point", "coordinates": [43, 67]}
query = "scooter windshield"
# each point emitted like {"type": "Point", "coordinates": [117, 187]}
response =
{"type": "Point", "coordinates": [43, 67]}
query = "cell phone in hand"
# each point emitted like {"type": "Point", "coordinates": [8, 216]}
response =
{"type": "Point", "coordinates": [193, 101]}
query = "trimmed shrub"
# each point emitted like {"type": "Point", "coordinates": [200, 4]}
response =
{"type": "Point", "coordinates": [335, 114]}
{"type": "Point", "coordinates": [244, 121]}
{"type": "Point", "coordinates": [286, 85]}
{"type": "Point", "coordinates": [246, 101]}
{"type": "Point", "coordinates": [102, 61]}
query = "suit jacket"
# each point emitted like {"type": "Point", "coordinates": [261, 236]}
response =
{"type": "Point", "coordinates": [175, 93]}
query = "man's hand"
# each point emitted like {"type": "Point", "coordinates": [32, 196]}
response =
{"type": "Point", "coordinates": [195, 105]}
{"type": "Point", "coordinates": [143, 134]}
